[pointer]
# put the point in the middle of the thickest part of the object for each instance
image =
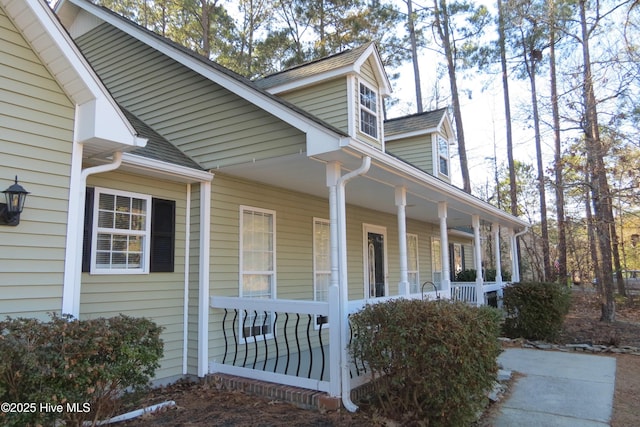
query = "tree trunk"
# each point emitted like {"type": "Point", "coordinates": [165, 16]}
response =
{"type": "Point", "coordinates": [531, 57]}
{"type": "Point", "coordinates": [442, 25]}
{"type": "Point", "coordinates": [414, 55]}
{"type": "Point", "coordinates": [513, 185]}
{"type": "Point", "coordinates": [559, 187]}
{"type": "Point", "coordinates": [600, 194]}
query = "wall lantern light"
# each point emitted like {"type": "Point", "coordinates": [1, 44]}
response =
{"type": "Point", "coordinates": [10, 211]}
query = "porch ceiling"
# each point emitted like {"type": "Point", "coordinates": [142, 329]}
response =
{"type": "Point", "coordinates": [375, 190]}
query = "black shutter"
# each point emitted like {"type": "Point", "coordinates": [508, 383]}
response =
{"type": "Point", "coordinates": [88, 230]}
{"type": "Point", "coordinates": [163, 219]}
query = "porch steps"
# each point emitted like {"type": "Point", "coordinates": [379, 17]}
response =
{"type": "Point", "coordinates": [298, 396]}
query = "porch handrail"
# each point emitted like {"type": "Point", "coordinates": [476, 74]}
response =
{"type": "Point", "coordinates": [319, 308]}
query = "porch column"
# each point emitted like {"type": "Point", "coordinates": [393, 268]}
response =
{"type": "Point", "coordinates": [203, 285]}
{"type": "Point", "coordinates": [444, 250]}
{"type": "Point", "coordinates": [515, 268]}
{"type": "Point", "coordinates": [475, 220]}
{"type": "Point", "coordinates": [333, 173]}
{"type": "Point", "coordinates": [495, 227]}
{"type": "Point", "coordinates": [401, 203]}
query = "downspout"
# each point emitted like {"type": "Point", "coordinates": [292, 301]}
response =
{"type": "Point", "coordinates": [75, 277]}
{"type": "Point", "coordinates": [344, 291]}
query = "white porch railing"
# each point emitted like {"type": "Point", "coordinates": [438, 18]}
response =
{"type": "Point", "coordinates": [467, 291]}
{"type": "Point", "coordinates": [290, 345]}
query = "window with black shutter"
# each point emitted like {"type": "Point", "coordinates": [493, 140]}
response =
{"type": "Point", "coordinates": [114, 249]}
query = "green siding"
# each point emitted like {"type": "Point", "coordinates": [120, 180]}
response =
{"type": "Point", "coordinates": [158, 296]}
{"type": "Point", "coordinates": [327, 101]}
{"type": "Point", "coordinates": [416, 151]}
{"type": "Point", "coordinates": [206, 121]}
{"type": "Point", "coordinates": [294, 243]}
{"type": "Point", "coordinates": [36, 133]}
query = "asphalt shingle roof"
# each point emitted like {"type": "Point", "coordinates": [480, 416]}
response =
{"type": "Point", "coordinates": [158, 148]}
{"type": "Point", "coordinates": [414, 122]}
{"type": "Point", "coordinates": [342, 59]}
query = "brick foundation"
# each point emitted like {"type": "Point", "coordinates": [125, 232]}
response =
{"type": "Point", "coordinates": [300, 397]}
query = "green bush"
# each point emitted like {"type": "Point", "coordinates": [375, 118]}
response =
{"type": "Point", "coordinates": [67, 362]}
{"type": "Point", "coordinates": [432, 361]}
{"type": "Point", "coordinates": [535, 310]}
{"type": "Point", "coordinates": [468, 275]}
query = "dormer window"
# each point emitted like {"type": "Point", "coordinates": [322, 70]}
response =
{"type": "Point", "coordinates": [443, 156]}
{"type": "Point", "coordinates": [368, 111]}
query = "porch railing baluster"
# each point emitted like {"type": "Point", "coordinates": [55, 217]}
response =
{"type": "Point", "coordinates": [321, 350]}
{"type": "Point", "coordinates": [298, 344]}
{"type": "Point", "coordinates": [275, 325]}
{"type": "Point", "coordinates": [309, 344]}
{"type": "Point", "coordinates": [224, 333]}
{"type": "Point", "coordinates": [255, 339]}
{"type": "Point", "coordinates": [286, 341]}
{"type": "Point", "coordinates": [266, 349]}
{"type": "Point", "coordinates": [235, 336]}
{"type": "Point", "coordinates": [246, 341]}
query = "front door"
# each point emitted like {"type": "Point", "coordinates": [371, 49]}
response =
{"type": "Point", "coordinates": [375, 274]}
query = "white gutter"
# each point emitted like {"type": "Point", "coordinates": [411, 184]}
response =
{"type": "Point", "coordinates": [344, 294]}
{"type": "Point", "coordinates": [73, 255]}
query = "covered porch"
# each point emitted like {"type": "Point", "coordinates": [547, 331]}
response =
{"type": "Point", "coordinates": [304, 342]}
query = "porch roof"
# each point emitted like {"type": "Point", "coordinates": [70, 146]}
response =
{"type": "Point", "coordinates": [376, 189]}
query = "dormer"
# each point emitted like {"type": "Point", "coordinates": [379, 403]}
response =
{"type": "Point", "coordinates": [422, 140]}
{"type": "Point", "coordinates": [346, 90]}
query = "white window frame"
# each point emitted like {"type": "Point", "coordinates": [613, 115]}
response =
{"type": "Point", "coordinates": [415, 286]}
{"type": "Point", "coordinates": [436, 260]}
{"type": "Point", "coordinates": [145, 234]}
{"type": "Point", "coordinates": [442, 142]}
{"type": "Point", "coordinates": [318, 271]}
{"type": "Point", "coordinates": [367, 110]}
{"type": "Point", "coordinates": [243, 272]}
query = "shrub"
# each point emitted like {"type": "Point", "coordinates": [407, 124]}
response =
{"type": "Point", "coordinates": [535, 310]}
{"type": "Point", "coordinates": [432, 361]}
{"type": "Point", "coordinates": [86, 363]}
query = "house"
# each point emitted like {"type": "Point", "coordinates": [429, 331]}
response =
{"type": "Point", "coordinates": [277, 207]}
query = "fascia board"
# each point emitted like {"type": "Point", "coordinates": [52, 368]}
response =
{"type": "Point", "coordinates": [379, 70]}
{"type": "Point", "coordinates": [409, 173]}
{"type": "Point", "coordinates": [312, 80]}
{"type": "Point", "coordinates": [74, 74]}
{"type": "Point", "coordinates": [171, 170]}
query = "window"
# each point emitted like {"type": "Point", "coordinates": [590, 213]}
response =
{"type": "Point", "coordinates": [412, 263]}
{"type": "Point", "coordinates": [121, 233]}
{"type": "Point", "coordinates": [368, 111]}
{"type": "Point", "coordinates": [436, 260]}
{"type": "Point", "coordinates": [257, 267]}
{"type": "Point", "coordinates": [443, 156]}
{"type": "Point", "coordinates": [127, 233]}
{"type": "Point", "coordinates": [321, 263]}
{"type": "Point", "coordinates": [457, 259]}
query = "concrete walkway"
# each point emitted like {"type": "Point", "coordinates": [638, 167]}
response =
{"type": "Point", "coordinates": [557, 389]}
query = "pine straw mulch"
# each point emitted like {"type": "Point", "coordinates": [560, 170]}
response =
{"type": "Point", "coordinates": [206, 405]}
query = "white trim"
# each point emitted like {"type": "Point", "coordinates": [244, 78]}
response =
{"type": "Point", "coordinates": [203, 283]}
{"type": "Point", "coordinates": [377, 229]}
{"type": "Point", "coordinates": [417, 255]}
{"type": "Point", "coordinates": [327, 223]}
{"type": "Point", "coordinates": [75, 225]}
{"type": "Point", "coordinates": [312, 80]}
{"type": "Point", "coordinates": [376, 114]}
{"type": "Point", "coordinates": [185, 296]}
{"type": "Point", "coordinates": [272, 273]}
{"type": "Point", "coordinates": [168, 170]}
{"type": "Point", "coordinates": [146, 233]}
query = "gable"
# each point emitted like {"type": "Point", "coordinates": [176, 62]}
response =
{"type": "Point", "coordinates": [209, 123]}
